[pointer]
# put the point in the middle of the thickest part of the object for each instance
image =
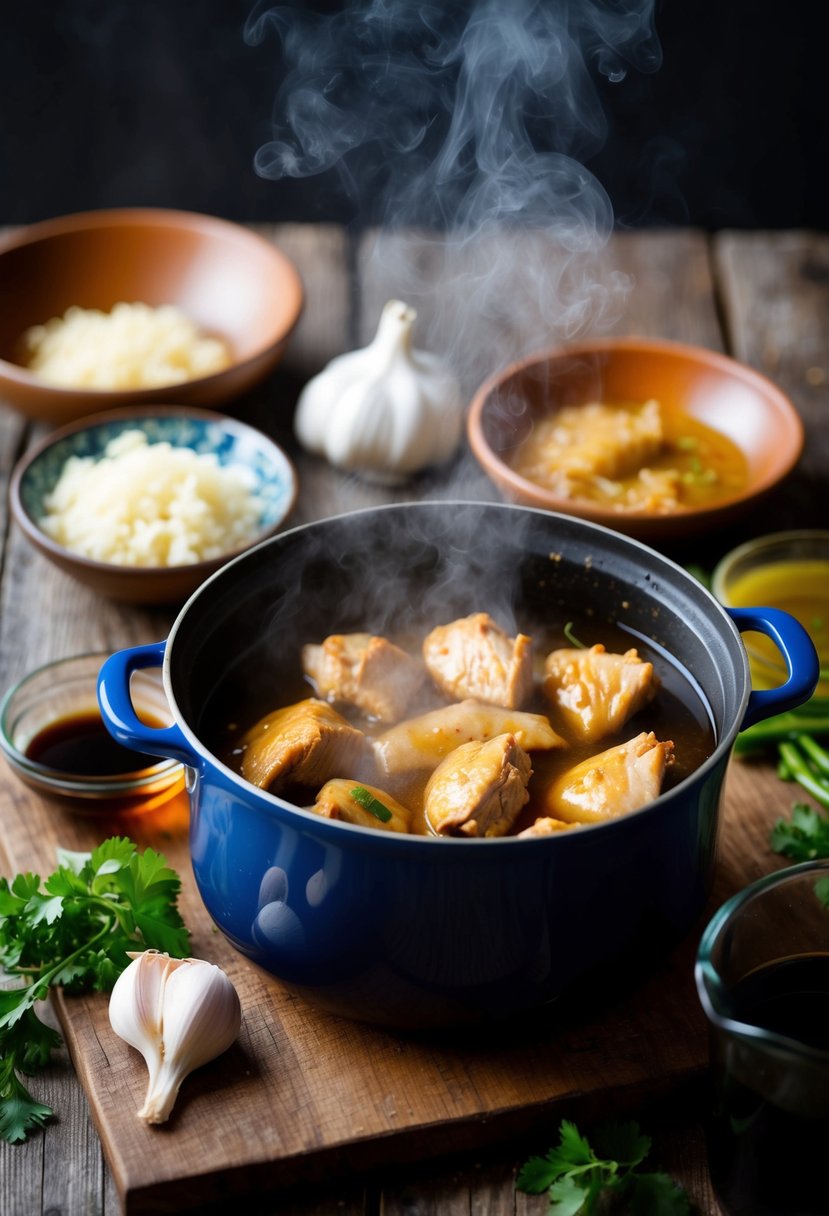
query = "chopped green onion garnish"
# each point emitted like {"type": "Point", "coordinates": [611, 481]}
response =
{"type": "Point", "coordinates": [700, 477]}
{"type": "Point", "coordinates": [687, 443]}
{"type": "Point", "coordinates": [571, 637]}
{"type": "Point", "coordinates": [371, 804]}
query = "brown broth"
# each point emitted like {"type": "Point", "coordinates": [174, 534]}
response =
{"type": "Point", "coordinates": [678, 713]}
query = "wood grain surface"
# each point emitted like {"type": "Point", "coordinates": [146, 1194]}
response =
{"type": "Point", "coordinates": [304, 1097]}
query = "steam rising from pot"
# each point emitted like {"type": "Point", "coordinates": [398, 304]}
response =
{"type": "Point", "coordinates": [465, 118]}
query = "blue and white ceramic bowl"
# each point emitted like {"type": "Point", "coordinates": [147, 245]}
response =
{"type": "Point", "coordinates": [231, 441]}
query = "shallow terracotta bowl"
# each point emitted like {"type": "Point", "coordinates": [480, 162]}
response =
{"type": "Point", "coordinates": [711, 387]}
{"type": "Point", "coordinates": [231, 282]}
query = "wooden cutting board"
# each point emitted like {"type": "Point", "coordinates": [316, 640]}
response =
{"type": "Point", "coordinates": [304, 1094]}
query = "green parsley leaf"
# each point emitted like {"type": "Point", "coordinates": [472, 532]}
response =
{"type": "Point", "coordinates": [19, 1112]}
{"type": "Point", "coordinates": [567, 1197]}
{"type": "Point", "coordinates": [583, 1181]}
{"type": "Point", "coordinates": [371, 804]}
{"type": "Point", "coordinates": [623, 1142]}
{"type": "Point", "coordinates": [804, 836]}
{"type": "Point", "coordinates": [74, 930]}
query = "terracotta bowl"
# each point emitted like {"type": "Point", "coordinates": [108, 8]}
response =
{"type": "Point", "coordinates": [231, 282]}
{"type": "Point", "coordinates": [710, 387]}
{"type": "Point", "coordinates": [232, 442]}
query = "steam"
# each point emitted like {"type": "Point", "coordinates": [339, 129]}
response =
{"type": "Point", "coordinates": [468, 119]}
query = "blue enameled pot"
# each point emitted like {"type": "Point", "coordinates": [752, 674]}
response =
{"type": "Point", "coordinates": [412, 931]}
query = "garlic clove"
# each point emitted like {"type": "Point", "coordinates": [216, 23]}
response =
{"type": "Point", "coordinates": [202, 1014]}
{"type": "Point", "coordinates": [180, 1014]}
{"type": "Point", "coordinates": [385, 411]}
{"type": "Point", "coordinates": [136, 1002]}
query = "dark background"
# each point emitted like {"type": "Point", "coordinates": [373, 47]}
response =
{"type": "Point", "coordinates": [161, 102]}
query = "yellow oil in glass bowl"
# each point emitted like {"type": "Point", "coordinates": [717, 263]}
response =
{"type": "Point", "coordinates": [788, 570]}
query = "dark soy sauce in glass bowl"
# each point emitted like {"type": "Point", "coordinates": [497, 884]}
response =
{"type": "Point", "coordinates": [767, 1157]}
{"type": "Point", "coordinates": [54, 738]}
{"type": "Point", "coordinates": [80, 744]}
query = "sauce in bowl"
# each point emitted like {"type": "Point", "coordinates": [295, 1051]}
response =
{"type": "Point", "coordinates": [80, 744]}
{"type": "Point", "coordinates": [54, 738]}
{"type": "Point", "coordinates": [631, 457]}
{"type": "Point", "coordinates": [788, 570]}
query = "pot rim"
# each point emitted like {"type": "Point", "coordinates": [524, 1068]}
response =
{"type": "Point", "coordinates": [271, 802]}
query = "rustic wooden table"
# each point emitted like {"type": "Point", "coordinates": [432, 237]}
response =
{"type": "Point", "coordinates": [762, 297]}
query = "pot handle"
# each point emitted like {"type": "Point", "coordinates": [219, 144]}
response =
{"type": "Point", "coordinates": [799, 654]}
{"type": "Point", "coordinates": [117, 710]}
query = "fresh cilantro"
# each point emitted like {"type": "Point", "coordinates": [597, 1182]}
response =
{"type": "Point", "coordinates": [73, 930]}
{"type": "Point", "coordinates": [584, 1181]}
{"type": "Point", "coordinates": [804, 836]}
{"type": "Point", "coordinates": [371, 804]}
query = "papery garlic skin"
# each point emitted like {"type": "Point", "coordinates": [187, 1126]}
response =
{"type": "Point", "coordinates": [385, 411]}
{"type": "Point", "coordinates": [179, 1013]}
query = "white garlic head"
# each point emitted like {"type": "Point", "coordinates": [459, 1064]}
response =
{"type": "Point", "coordinates": [385, 411]}
{"type": "Point", "coordinates": [179, 1013]}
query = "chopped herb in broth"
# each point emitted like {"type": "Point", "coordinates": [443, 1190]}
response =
{"type": "Point", "coordinates": [631, 457]}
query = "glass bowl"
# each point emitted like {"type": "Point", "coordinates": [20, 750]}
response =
{"type": "Point", "coordinates": [788, 570]}
{"type": "Point", "coordinates": [54, 696]}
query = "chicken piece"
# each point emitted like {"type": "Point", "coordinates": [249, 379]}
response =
{"type": "Point", "coordinates": [421, 743]}
{"type": "Point", "coordinates": [303, 744]}
{"type": "Point", "coordinates": [474, 657]}
{"type": "Point", "coordinates": [547, 827]}
{"type": "Point", "coordinates": [362, 804]}
{"type": "Point", "coordinates": [612, 783]}
{"type": "Point", "coordinates": [368, 672]}
{"type": "Point", "coordinates": [478, 789]}
{"type": "Point", "coordinates": [593, 693]}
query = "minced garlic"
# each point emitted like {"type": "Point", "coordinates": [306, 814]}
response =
{"type": "Point", "coordinates": [133, 346]}
{"type": "Point", "coordinates": [151, 504]}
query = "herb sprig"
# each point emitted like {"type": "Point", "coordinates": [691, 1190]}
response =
{"type": "Point", "coordinates": [804, 836]}
{"type": "Point", "coordinates": [583, 1181]}
{"type": "Point", "coordinates": [73, 930]}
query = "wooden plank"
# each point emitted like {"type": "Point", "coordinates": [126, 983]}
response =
{"type": "Point", "coordinates": [485, 304]}
{"type": "Point", "coordinates": [669, 286]}
{"type": "Point", "coordinates": [322, 254]}
{"type": "Point", "coordinates": [301, 1087]}
{"type": "Point", "coordinates": [774, 288]}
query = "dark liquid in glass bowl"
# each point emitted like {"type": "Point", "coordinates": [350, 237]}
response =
{"type": "Point", "coordinates": [80, 744]}
{"type": "Point", "coordinates": [766, 1160]}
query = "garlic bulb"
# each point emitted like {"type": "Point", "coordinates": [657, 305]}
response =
{"type": "Point", "coordinates": [179, 1013]}
{"type": "Point", "coordinates": [384, 411]}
